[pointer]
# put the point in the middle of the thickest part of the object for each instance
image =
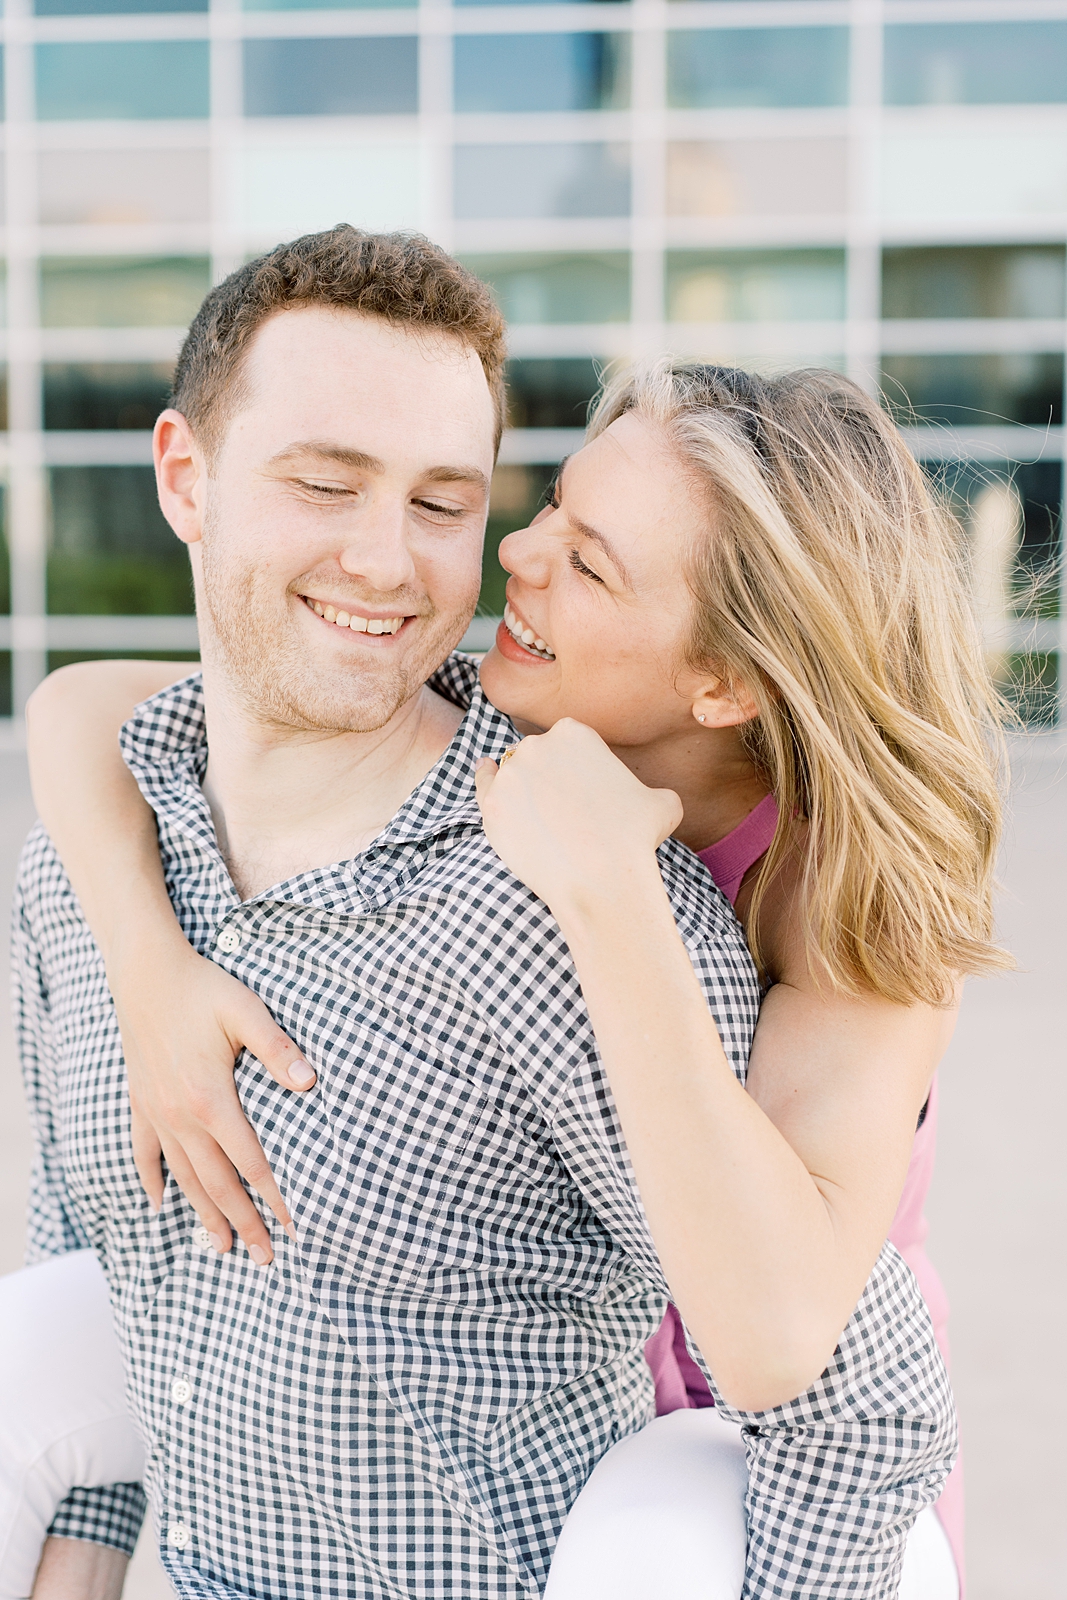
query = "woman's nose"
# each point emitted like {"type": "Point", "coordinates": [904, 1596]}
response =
{"type": "Point", "coordinates": [524, 554]}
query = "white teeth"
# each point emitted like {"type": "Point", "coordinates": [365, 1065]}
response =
{"type": "Point", "coordinates": [317, 607]}
{"type": "Point", "coordinates": [330, 614]}
{"type": "Point", "coordinates": [375, 625]}
{"type": "Point", "coordinates": [358, 624]}
{"type": "Point", "coordinates": [343, 619]}
{"type": "Point", "coordinates": [525, 636]}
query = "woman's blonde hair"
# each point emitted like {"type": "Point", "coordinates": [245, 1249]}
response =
{"type": "Point", "coordinates": [833, 587]}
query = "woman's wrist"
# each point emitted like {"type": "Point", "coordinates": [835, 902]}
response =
{"type": "Point", "coordinates": [628, 895]}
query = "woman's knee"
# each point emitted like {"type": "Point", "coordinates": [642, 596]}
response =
{"type": "Point", "coordinates": [662, 1512]}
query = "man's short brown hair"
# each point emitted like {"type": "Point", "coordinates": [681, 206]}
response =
{"type": "Point", "coordinates": [400, 277]}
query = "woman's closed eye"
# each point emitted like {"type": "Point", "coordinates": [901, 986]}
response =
{"type": "Point", "coordinates": [579, 566]}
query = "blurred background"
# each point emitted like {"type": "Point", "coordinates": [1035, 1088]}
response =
{"type": "Point", "coordinates": [876, 187]}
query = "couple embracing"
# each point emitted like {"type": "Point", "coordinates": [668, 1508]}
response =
{"type": "Point", "coordinates": [585, 1006]}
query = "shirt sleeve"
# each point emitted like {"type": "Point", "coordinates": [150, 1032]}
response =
{"type": "Point", "coordinates": [837, 1476]}
{"type": "Point", "coordinates": [111, 1515]}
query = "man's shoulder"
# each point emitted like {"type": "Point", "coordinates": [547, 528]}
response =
{"type": "Point", "coordinates": [167, 726]}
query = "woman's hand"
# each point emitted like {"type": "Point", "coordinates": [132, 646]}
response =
{"type": "Point", "coordinates": [570, 819]}
{"type": "Point", "coordinates": [184, 1021]}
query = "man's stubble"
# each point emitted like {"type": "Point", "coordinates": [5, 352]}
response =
{"type": "Point", "coordinates": [257, 642]}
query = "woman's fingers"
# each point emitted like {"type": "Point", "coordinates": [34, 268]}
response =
{"type": "Point", "coordinates": [206, 1177]}
{"type": "Point", "coordinates": [248, 1024]}
{"type": "Point", "coordinates": [147, 1154]}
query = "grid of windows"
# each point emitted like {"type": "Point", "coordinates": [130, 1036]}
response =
{"type": "Point", "coordinates": [877, 185]}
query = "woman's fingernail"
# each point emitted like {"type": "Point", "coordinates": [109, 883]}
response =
{"type": "Point", "coordinates": [301, 1075]}
{"type": "Point", "coordinates": [217, 1242]}
{"type": "Point", "coordinates": [260, 1256]}
{"type": "Point", "coordinates": [291, 1231]}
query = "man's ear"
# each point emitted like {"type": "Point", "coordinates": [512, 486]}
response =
{"type": "Point", "coordinates": [719, 704]}
{"type": "Point", "coordinates": [181, 474]}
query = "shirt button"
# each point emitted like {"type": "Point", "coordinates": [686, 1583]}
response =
{"type": "Point", "coordinates": [178, 1535]}
{"type": "Point", "coordinates": [202, 1238]}
{"type": "Point", "coordinates": [181, 1390]}
{"type": "Point", "coordinates": [228, 941]}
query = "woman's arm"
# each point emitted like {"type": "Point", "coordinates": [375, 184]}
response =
{"type": "Point", "coordinates": [768, 1207]}
{"type": "Point", "coordinates": [183, 1019]}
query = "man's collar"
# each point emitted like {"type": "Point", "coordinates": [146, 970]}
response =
{"type": "Point", "coordinates": [167, 737]}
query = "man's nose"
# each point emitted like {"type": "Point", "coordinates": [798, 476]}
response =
{"type": "Point", "coordinates": [377, 550]}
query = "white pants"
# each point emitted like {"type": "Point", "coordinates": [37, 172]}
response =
{"type": "Point", "coordinates": [63, 1417]}
{"type": "Point", "coordinates": [663, 1512]}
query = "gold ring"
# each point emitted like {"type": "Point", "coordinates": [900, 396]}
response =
{"type": "Point", "coordinates": [508, 753]}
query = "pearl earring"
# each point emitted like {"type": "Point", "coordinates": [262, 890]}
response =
{"type": "Point", "coordinates": [701, 717]}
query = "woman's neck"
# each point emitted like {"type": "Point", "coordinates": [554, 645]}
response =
{"type": "Point", "coordinates": [712, 774]}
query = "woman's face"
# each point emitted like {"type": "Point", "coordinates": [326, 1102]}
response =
{"type": "Point", "coordinates": [598, 580]}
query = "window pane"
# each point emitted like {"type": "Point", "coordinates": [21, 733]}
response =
{"type": "Point", "coordinates": [756, 177]}
{"type": "Point", "coordinates": [122, 292]}
{"type": "Point", "coordinates": [145, 78]}
{"type": "Point", "coordinates": [542, 71]}
{"type": "Point", "coordinates": [105, 394]}
{"type": "Point", "coordinates": [5, 683]}
{"type": "Point", "coordinates": [975, 391]}
{"type": "Point", "coordinates": [93, 8]}
{"type": "Point", "coordinates": [516, 496]}
{"type": "Point", "coordinates": [758, 67]}
{"type": "Point", "coordinates": [552, 393]}
{"type": "Point", "coordinates": [116, 186]}
{"type": "Point", "coordinates": [981, 281]}
{"type": "Point", "coordinates": [302, 188]}
{"type": "Point", "coordinates": [518, 2]}
{"type": "Point", "coordinates": [558, 288]}
{"type": "Point", "coordinates": [330, 77]}
{"type": "Point", "coordinates": [755, 285]}
{"type": "Point", "coordinates": [976, 63]}
{"type": "Point", "coordinates": [542, 180]}
{"type": "Point", "coordinates": [110, 550]}
{"type": "Point", "coordinates": [329, 5]}
{"type": "Point", "coordinates": [5, 563]}
{"type": "Point", "coordinates": [937, 175]}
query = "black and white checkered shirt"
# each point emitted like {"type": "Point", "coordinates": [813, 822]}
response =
{"type": "Point", "coordinates": [407, 1403]}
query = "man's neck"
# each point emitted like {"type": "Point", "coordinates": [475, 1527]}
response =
{"type": "Point", "coordinates": [285, 800]}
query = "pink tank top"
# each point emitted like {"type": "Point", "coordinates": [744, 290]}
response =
{"type": "Point", "coordinates": [680, 1384]}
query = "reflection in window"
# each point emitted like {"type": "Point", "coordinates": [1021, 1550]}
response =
{"type": "Point", "coordinates": [517, 495]}
{"type": "Point", "coordinates": [1012, 515]}
{"type": "Point", "coordinates": [948, 172]}
{"type": "Point", "coordinates": [756, 177]}
{"type": "Point", "coordinates": [290, 188]}
{"type": "Point", "coordinates": [122, 186]}
{"type": "Point", "coordinates": [110, 550]}
{"type": "Point", "coordinates": [330, 77]}
{"type": "Point", "coordinates": [542, 180]}
{"type": "Point", "coordinates": [755, 285]}
{"type": "Point", "coordinates": [95, 8]}
{"type": "Point", "coordinates": [542, 71]}
{"type": "Point", "coordinates": [551, 393]}
{"type": "Point", "coordinates": [105, 394]}
{"type": "Point", "coordinates": [558, 288]}
{"type": "Point", "coordinates": [758, 67]}
{"type": "Point", "coordinates": [975, 391]}
{"type": "Point", "coordinates": [974, 281]}
{"type": "Point", "coordinates": [140, 78]}
{"type": "Point", "coordinates": [122, 292]}
{"type": "Point", "coordinates": [976, 63]}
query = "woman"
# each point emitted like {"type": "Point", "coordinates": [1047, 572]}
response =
{"type": "Point", "coordinates": [749, 580]}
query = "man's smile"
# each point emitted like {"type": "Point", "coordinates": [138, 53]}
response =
{"type": "Point", "coordinates": [354, 621]}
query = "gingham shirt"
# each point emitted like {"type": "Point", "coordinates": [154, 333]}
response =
{"type": "Point", "coordinates": [407, 1403]}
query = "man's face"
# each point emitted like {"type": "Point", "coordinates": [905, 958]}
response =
{"type": "Point", "coordinates": [342, 523]}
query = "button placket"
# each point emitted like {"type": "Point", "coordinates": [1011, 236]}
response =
{"type": "Point", "coordinates": [181, 1391]}
{"type": "Point", "coordinates": [228, 940]}
{"type": "Point", "coordinates": [179, 1535]}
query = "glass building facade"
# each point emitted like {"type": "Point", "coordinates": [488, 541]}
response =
{"type": "Point", "coordinates": [875, 185]}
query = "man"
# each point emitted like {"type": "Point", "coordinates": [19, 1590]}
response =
{"type": "Point", "coordinates": [408, 1402]}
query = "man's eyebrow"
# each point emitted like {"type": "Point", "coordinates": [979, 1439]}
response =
{"type": "Point", "coordinates": [324, 450]}
{"type": "Point", "coordinates": [344, 456]}
{"type": "Point", "coordinates": [587, 532]}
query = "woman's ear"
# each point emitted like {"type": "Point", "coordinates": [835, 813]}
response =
{"type": "Point", "coordinates": [180, 467]}
{"type": "Point", "coordinates": [718, 704]}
